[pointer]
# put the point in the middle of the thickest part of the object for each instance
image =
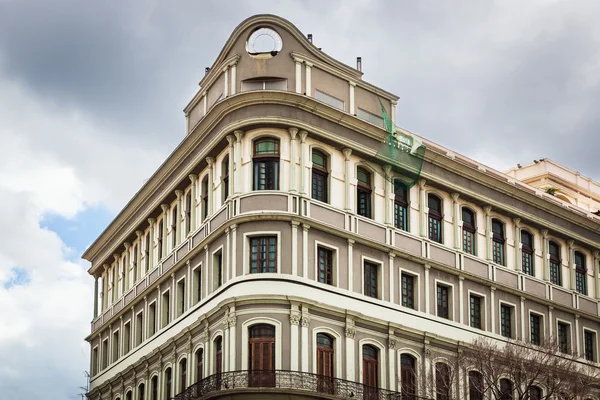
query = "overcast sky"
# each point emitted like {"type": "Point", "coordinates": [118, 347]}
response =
{"type": "Point", "coordinates": [91, 99]}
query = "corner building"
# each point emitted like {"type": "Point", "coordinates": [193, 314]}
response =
{"type": "Point", "coordinates": [268, 256]}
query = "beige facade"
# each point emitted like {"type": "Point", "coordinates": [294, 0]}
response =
{"type": "Point", "coordinates": [173, 270]}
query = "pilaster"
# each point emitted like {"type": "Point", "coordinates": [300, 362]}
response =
{"type": "Point", "coordinates": [456, 218]}
{"type": "Point", "coordinates": [150, 244]}
{"type": "Point", "coordinates": [211, 173]}
{"type": "Point", "coordinates": [350, 333]}
{"type": "Point", "coordinates": [294, 330]}
{"type": "Point", "coordinates": [179, 231]}
{"type": "Point", "coordinates": [163, 236]}
{"type": "Point", "coordinates": [230, 161]}
{"type": "Point", "coordinates": [193, 180]}
{"type": "Point", "coordinates": [238, 160]}
{"type": "Point", "coordinates": [347, 152]}
{"type": "Point", "coordinates": [488, 233]}
{"type": "Point", "coordinates": [422, 206]}
{"type": "Point", "coordinates": [293, 150]}
{"type": "Point", "coordinates": [303, 161]}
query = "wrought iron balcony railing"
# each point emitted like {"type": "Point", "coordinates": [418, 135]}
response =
{"type": "Point", "coordinates": [292, 380]}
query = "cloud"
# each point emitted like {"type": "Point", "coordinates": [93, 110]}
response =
{"type": "Point", "coordinates": [91, 95]}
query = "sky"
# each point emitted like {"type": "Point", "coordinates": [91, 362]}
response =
{"type": "Point", "coordinates": [91, 100]}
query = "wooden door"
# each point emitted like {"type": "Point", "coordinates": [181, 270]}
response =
{"type": "Point", "coordinates": [261, 353]}
{"type": "Point", "coordinates": [370, 372]}
{"type": "Point", "coordinates": [218, 360]}
{"type": "Point", "coordinates": [325, 363]}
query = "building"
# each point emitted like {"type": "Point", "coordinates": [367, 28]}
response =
{"type": "Point", "coordinates": [269, 241]}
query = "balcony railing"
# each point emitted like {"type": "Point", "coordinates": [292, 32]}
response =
{"type": "Point", "coordinates": [293, 380]}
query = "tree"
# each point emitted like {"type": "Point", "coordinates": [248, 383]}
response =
{"type": "Point", "coordinates": [516, 370]}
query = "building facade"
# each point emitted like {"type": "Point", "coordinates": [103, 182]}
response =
{"type": "Point", "coordinates": [269, 246]}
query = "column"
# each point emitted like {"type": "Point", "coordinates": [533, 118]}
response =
{"type": "Point", "coordinates": [193, 180]}
{"type": "Point", "coordinates": [350, 267]}
{"type": "Point", "coordinates": [461, 300]}
{"type": "Point", "coordinates": [492, 309]}
{"type": "Point", "coordinates": [233, 87]}
{"type": "Point", "coordinates": [293, 132]}
{"type": "Point", "coordinates": [226, 260]}
{"type": "Point", "coordinates": [145, 320]}
{"type": "Point", "coordinates": [165, 209]}
{"type": "Point", "coordinates": [393, 113]}
{"type": "Point", "coordinates": [391, 275]}
{"type": "Point", "coordinates": [352, 109]}
{"type": "Point", "coordinates": [105, 279]}
{"type": "Point", "coordinates": [226, 89]}
{"type": "Point", "coordinates": [522, 318]}
{"type": "Point", "coordinates": [204, 95]}
{"type": "Point", "coordinates": [422, 206]}
{"type": "Point", "coordinates": [426, 288]}
{"type": "Point", "coordinates": [303, 161]}
{"type": "Point", "coordinates": [550, 321]}
{"type": "Point", "coordinates": [305, 322]}
{"type": "Point", "coordinates": [190, 285]}
{"type": "Point", "coordinates": [230, 163]}
{"type": "Point", "coordinates": [179, 233]}
{"type": "Point", "coordinates": [150, 244]}
{"type": "Point", "coordinates": [294, 322]}
{"type": "Point", "coordinates": [518, 246]}
{"type": "Point", "coordinates": [137, 273]}
{"type": "Point", "coordinates": [206, 270]}
{"type": "Point", "coordinates": [298, 75]}
{"type": "Point", "coordinates": [232, 337]}
{"type": "Point", "coordinates": [225, 343]}
{"type": "Point", "coordinates": [545, 255]}
{"type": "Point", "coordinates": [571, 243]}
{"type": "Point", "coordinates": [392, 360]}
{"type": "Point", "coordinates": [116, 273]}
{"type": "Point", "coordinates": [126, 267]}
{"type": "Point", "coordinates": [238, 161]}
{"type": "Point", "coordinates": [387, 169]}
{"type": "Point", "coordinates": [577, 341]}
{"type": "Point", "coordinates": [305, 229]}
{"type": "Point", "coordinates": [347, 176]}
{"type": "Point", "coordinates": [95, 296]}
{"type": "Point", "coordinates": [121, 337]}
{"type": "Point", "coordinates": [233, 251]}
{"type": "Point", "coordinates": [308, 67]}
{"type": "Point", "coordinates": [295, 248]}
{"type": "Point", "coordinates": [350, 332]}
{"type": "Point", "coordinates": [173, 301]}
{"type": "Point", "coordinates": [488, 233]}
{"type": "Point", "coordinates": [456, 218]}
{"type": "Point", "coordinates": [211, 176]}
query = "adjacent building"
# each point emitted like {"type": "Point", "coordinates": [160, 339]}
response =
{"type": "Point", "coordinates": [270, 250]}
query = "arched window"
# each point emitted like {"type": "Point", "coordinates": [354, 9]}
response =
{"type": "Point", "coordinates": [182, 374]}
{"type": "Point", "coordinates": [506, 389]}
{"type": "Point", "coordinates": [174, 218]}
{"type": "Point", "coordinates": [527, 253]}
{"type": "Point", "coordinates": [320, 176]}
{"type": "Point", "coordinates": [498, 240]}
{"type": "Point", "coordinates": [475, 385]}
{"type": "Point", "coordinates": [168, 383]}
{"type": "Point", "coordinates": [469, 228]}
{"type": "Point", "coordinates": [266, 164]}
{"type": "Point", "coordinates": [129, 395]}
{"type": "Point", "coordinates": [159, 240]}
{"type": "Point", "coordinates": [154, 388]}
{"type": "Point", "coordinates": [555, 269]}
{"type": "Point", "coordinates": [408, 377]}
{"type": "Point", "coordinates": [188, 212]}
{"type": "Point", "coordinates": [535, 393]}
{"type": "Point", "coordinates": [580, 273]}
{"type": "Point", "coordinates": [325, 363]}
{"type": "Point", "coordinates": [261, 355]}
{"type": "Point", "coordinates": [218, 343]}
{"type": "Point", "coordinates": [363, 193]}
{"type": "Point", "coordinates": [199, 364]}
{"type": "Point", "coordinates": [443, 383]}
{"type": "Point", "coordinates": [434, 204]}
{"type": "Point", "coordinates": [225, 177]}
{"type": "Point", "coordinates": [204, 198]}
{"type": "Point", "coordinates": [141, 391]}
{"type": "Point", "coordinates": [370, 360]}
{"type": "Point", "coordinates": [400, 206]}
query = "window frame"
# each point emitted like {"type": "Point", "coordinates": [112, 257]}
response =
{"type": "Point", "coordinates": [527, 253]}
{"type": "Point", "coordinates": [225, 178]}
{"type": "Point", "coordinates": [364, 191]}
{"type": "Point", "coordinates": [511, 320]}
{"type": "Point", "coordinates": [268, 259]}
{"type": "Point", "coordinates": [401, 204]}
{"type": "Point", "coordinates": [594, 343]}
{"type": "Point", "coordinates": [569, 341]}
{"type": "Point", "coordinates": [449, 299]}
{"type": "Point", "coordinates": [321, 173]}
{"type": "Point", "coordinates": [557, 261]}
{"type": "Point", "coordinates": [435, 219]}
{"type": "Point", "coordinates": [469, 231]}
{"type": "Point", "coordinates": [325, 269]}
{"type": "Point", "coordinates": [540, 332]}
{"type": "Point", "coordinates": [268, 160]}
{"type": "Point", "coordinates": [481, 312]}
{"type": "Point", "coordinates": [372, 266]}
{"type": "Point", "coordinates": [581, 285]}
{"type": "Point", "coordinates": [499, 243]}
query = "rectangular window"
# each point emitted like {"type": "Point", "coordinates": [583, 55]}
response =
{"type": "Point", "coordinates": [580, 281]}
{"type": "Point", "coordinates": [197, 285]}
{"type": "Point", "coordinates": [271, 84]}
{"type": "Point", "coordinates": [319, 185]}
{"type": "Point", "coordinates": [94, 361]}
{"type": "Point", "coordinates": [590, 345]}
{"type": "Point", "coordinates": [408, 292]}
{"type": "Point", "coordinates": [435, 229]}
{"type": "Point", "coordinates": [364, 202]}
{"type": "Point", "coordinates": [152, 319]}
{"type": "Point", "coordinates": [535, 326]}
{"type": "Point", "coordinates": [370, 279]}
{"type": "Point", "coordinates": [166, 307]}
{"type": "Point", "coordinates": [126, 337]}
{"type": "Point", "coordinates": [498, 248]}
{"type": "Point", "coordinates": [443, 307]}
{"type": "Point", "coordinates": [325, 265]}
{"type": "Point", "coordinates": [563, 337]}
{"type": "Point", "coordinates": [475, 311]}
{"type": "Point", "coordinates": [468, 241]}
{"type": "Point", "coordinates": [217, 269]}
{"type": "Point", "coordinates": [506, 321]}
{"type": "Point", "coordinates": [332, 101]}
{"type": "Point", "coordinates": [527, 262]}
{"type": "Point", "coordinates": [105, 354]}
{"type": "Point", "coordinates": [180, 297]}
{"type": "Point", "coordinates": [139, 328]}
{"type": "Point", "coordinates": [115, 346]}
{"type": "Point", "coordinates": [372, 118]}
{"type": "Point", "coordinates": [555, 275]}
{"type": "Point", "coordinates": [266, 174]}
{"type": "Point", "coordinates": [263, 254]}
{"type": "Point", "coordinates": [400, 219]}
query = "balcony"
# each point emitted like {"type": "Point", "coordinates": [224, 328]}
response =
{"type": "Point", "coordinates": [285, 383]}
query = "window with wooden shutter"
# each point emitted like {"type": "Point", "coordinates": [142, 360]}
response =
{"type": "Point", "coordinates": [325, 363]}
{"type": "Point", "coordinates": [261, 355]}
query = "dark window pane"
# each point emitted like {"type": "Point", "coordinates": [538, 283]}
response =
{"type": "Point", "coordinates": [590, 344]}
{"type": "Point", "coordinates": [263, 254]}
{"type": "Point", "coordinates": [408, 291]}
{"type": "Point", "coordinates": [534, 322]}
{"type": "Point", "coordinates": [476, 312]}
{"type": "Point", "coordinates": [325, 265]}
{"type": "Point", "coordinates": [506, 321]}
{"type": "Point", "coordinates": [370, 279]}
{"type": "Point", "coordinates": [442, 302]}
